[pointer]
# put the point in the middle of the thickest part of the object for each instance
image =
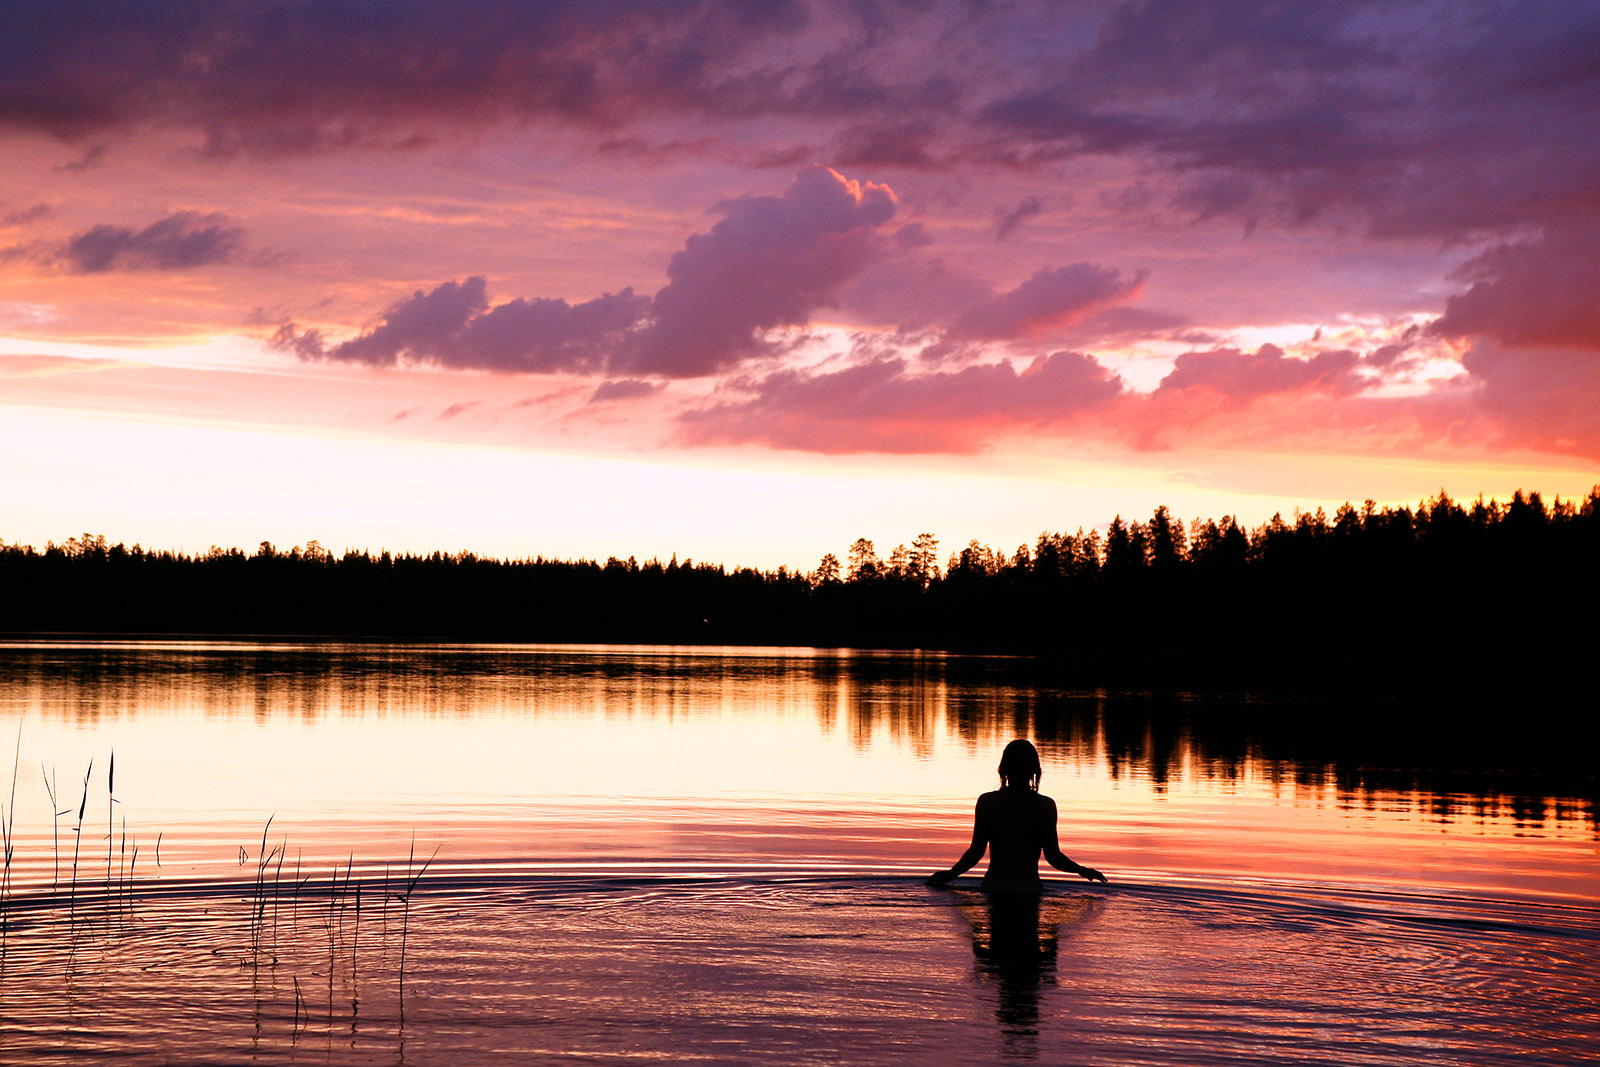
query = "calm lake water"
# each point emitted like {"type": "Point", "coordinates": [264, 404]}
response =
{"type": "Point", "coordinates": [715, 855]}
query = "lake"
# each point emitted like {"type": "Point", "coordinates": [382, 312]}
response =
{"type": "Point", "coordinates": [447, 854]}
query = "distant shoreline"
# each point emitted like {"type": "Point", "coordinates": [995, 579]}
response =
{"type": "Point", "coordinates": [1485, 595]}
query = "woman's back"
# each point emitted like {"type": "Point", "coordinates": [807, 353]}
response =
{"type": "Point", "coordinates": [1018, 823]}
{"type": "Point", "coordinates": [1015, 824]}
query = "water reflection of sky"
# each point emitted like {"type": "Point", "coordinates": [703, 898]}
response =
{"type": "Point", "coordinates": [717, 759]}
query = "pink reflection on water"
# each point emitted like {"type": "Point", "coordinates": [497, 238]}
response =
{"type": "Point", "coordinates": [698, 759]}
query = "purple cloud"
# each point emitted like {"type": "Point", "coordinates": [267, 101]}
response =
{"type": "Point", "coordinates": [180, 241]}
{"type": "Point", "coordinates": [1052, 298]}
{"type": "Point", "coordinates": [1280, 113]}
{"type": "Point", "coordinates": [909, 145]}
{"type": "Point", "coordinates": [771, 261]}
{"type": "Point", "coordinates": [1006, 222]}
{"type": "Point", "coordinates": [454, 325]}
{"type": "Point", "coordinates": [624, 389]}
{"type": "Point", "coordinates": [915, 293]}
{"type": "Point", "coordinates": [10, 216]}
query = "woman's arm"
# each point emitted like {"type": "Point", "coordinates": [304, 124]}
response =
{"type": "Point", "coordinates": [974, 852]}
{"type": "Point", "coordinates": [1058, 859]}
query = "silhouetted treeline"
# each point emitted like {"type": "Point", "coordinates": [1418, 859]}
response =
{"type": "Point", "coordinates": [1443, 593]}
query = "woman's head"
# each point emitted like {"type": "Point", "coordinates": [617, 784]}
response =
{"type": "Point", "coordinates": [1019, 765]}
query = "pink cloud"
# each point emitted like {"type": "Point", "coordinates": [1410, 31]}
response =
{"type": "Point", "coordinates": [1220, 398]}
{"type": "Point", "coordinates": [1541, 397]}
{"type": "Point", "coordinates": [915, 293]}
{"type": "Point", "coordinates": [1051, 299]}
{"type": "Point", "coordinates": [1541, 293]}
{"type": "Point", "coordinates": [624, 389]}
{"type": "Point", "coordinates": [922, 293]}
{"type": "Point", "coordinates": [879, 406]}
{"type": "Point", "coordinates": [1240, 377]}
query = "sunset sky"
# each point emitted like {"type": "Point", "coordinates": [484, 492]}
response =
{"type": "Point", "coordinates": [746, 281]}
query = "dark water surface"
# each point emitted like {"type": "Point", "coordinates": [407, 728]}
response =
{"type": "Point", "coordinates": [715, 856]}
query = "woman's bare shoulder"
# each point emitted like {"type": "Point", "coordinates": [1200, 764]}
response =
{"type": "Point", "coordinates": [1002, 797]}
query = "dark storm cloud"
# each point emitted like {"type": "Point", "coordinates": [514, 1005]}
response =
{"type": "Point", "coordinates": [285, 76]}
{"type": "Point", "coordinates": [1425, 118]}
{"type": "Point", "coordinates": [181, 241]}
{"type": "Point", "coordinates": [1434, 117]}
{"type": "Point", "coordinates": [1393, 96]}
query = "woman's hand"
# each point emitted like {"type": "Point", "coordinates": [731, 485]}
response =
{"type": "Point", "coordinates": [939, 879]}
{"type": "Point", "coordinates": [1091, 874]}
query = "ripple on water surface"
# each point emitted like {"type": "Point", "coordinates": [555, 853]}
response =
{"type": "Point", "coordinates": [795, 970]}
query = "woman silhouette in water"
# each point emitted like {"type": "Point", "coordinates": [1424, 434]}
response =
{"type": "Point", "coordinates": [1016, 823]}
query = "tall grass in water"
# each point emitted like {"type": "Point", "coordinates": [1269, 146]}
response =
{"type": "Point", "coordinates": [349, 898]}
{"type": "Point", "coordinates": [83, 805]}
{"type": "Point", "coordinates": [111, 822]}
{"type": "Point", "coordinates": [405, 915]}
{"type": "Point", "coordinates": [8, 819]}
{"type": "Point", "coordinates": [260, 899]}
{"type": "Point", "coordinates": [55, 828]}
{"type": "Point", "coordinates": [125, 892]}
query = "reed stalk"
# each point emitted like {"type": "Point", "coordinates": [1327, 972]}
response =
{"type": "Point", "coordinates": [8, 818]}
{"type": "Point", "coordinates": [133, 862]}
{"type": "Point", "coordinates": [405, 913]}
{"type": "Point", "coordinates": [77, 841]}
{"type": "Point", "coordinates": [277, 874]}
{"type": "Point", "coordinates": [55, 829]}
{"type": "Point", "coordinates": [294, 901]}
{"type": "Point", "coordinates": [333, 901]}
{"type": "Point", "coordinates": [111, 827]}
{"type": "Point", "coordinates": [355, 951]}
{"type": "Point", "coordinates": [344, 899]}
{"type": "Point", "coordinates": [258, 907]}
{"type": "Point", "coordinates": [122, 863]}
